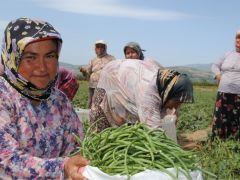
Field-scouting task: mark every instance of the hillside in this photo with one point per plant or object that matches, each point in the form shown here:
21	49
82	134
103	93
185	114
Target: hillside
197	72
74	68
203	67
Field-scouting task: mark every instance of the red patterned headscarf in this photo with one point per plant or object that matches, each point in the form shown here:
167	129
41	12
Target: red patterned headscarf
67	82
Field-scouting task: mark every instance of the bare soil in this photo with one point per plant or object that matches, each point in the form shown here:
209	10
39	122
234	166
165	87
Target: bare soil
190	140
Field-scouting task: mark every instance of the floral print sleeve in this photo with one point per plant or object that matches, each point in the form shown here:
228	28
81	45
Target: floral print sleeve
35	141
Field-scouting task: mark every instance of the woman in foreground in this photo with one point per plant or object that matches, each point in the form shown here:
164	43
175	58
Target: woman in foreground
37	121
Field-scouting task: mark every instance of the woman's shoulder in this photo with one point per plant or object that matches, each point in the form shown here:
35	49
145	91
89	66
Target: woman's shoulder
153	62
59	102
109	56
9	97
2	83
6	89
58	95
229	53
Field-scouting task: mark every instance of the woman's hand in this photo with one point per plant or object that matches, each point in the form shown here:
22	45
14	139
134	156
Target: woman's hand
81	69
84	72
72	165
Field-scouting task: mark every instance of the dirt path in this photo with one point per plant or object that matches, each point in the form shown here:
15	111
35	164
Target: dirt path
189	140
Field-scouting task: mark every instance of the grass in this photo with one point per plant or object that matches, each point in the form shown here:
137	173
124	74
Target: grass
198	115
81	98
221	157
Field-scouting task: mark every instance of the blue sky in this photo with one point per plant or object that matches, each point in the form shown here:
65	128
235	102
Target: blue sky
174	32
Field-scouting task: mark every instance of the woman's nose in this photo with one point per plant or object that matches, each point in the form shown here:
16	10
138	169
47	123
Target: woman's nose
42	64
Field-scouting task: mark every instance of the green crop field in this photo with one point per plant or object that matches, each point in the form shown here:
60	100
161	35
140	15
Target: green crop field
199	114
221	157
81	98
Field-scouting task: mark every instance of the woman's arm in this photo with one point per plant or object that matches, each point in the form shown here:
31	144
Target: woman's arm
18	164
71	125
15	163
216	68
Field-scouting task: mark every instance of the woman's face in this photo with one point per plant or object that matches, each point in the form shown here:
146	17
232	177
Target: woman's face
100	49
131	54
39	63
170	104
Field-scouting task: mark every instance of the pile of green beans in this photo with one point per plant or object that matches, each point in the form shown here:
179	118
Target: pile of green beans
130	149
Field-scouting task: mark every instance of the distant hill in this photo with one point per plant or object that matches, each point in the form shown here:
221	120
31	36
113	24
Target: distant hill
200	73
203	67
74	68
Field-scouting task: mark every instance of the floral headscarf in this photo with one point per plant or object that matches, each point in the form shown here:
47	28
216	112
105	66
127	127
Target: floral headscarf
17	35
136	47
173	85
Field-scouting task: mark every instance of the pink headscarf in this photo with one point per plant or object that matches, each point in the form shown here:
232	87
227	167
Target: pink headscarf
67	82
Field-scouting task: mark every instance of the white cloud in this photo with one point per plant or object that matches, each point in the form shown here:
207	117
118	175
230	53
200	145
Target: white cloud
111	8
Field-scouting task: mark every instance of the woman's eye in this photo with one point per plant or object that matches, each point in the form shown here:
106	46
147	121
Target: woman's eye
29	58
52	56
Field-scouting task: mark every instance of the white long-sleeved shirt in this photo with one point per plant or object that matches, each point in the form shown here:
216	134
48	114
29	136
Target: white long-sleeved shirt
95	66
229	69
131	92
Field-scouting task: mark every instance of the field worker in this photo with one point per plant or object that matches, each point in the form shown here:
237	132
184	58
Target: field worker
67	82
226	121
132	50
132	91
95	66
37	121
